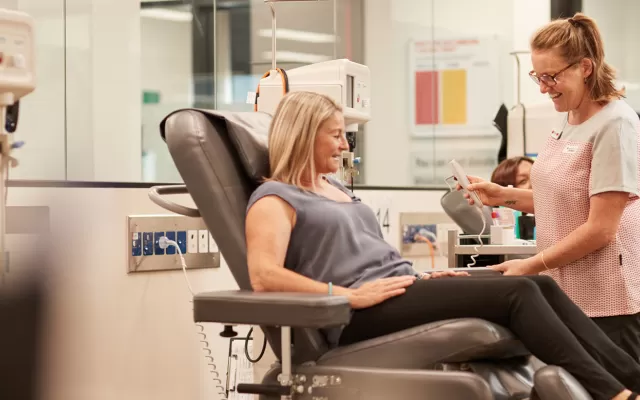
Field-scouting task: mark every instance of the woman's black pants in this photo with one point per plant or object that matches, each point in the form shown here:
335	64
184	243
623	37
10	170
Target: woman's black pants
534	308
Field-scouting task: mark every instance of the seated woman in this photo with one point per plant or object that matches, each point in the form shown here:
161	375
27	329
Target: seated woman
514	171
306	232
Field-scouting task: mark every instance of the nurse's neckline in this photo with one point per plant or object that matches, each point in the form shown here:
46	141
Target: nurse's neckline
567	123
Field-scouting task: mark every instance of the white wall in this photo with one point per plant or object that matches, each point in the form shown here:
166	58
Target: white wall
389	25
131	337
618	24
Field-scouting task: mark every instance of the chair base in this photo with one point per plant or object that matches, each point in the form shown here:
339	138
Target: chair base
356	383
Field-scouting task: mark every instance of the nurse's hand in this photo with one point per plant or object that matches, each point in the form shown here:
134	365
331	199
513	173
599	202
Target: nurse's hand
444	273
516	267
490	193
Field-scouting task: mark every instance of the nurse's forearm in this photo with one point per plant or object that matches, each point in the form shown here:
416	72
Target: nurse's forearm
582	241
518	199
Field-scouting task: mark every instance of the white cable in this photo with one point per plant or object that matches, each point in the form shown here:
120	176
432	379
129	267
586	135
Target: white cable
475	248
484	226
165	242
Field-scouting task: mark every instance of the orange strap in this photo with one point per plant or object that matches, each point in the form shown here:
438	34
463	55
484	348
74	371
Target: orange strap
285	85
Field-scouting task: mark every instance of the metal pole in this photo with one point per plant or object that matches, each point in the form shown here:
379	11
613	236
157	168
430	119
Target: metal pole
335	31
273	37
452	241
286	354
5	151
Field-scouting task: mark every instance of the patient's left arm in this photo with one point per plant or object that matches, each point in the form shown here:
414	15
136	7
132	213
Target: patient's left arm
268	227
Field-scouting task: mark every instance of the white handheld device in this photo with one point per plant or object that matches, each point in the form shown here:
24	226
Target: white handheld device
462	179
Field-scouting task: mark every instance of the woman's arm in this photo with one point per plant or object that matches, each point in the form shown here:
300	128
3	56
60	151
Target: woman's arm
494	195
600	229
268	229
518	199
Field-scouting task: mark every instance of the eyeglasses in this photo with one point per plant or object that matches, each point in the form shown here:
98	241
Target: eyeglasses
548	79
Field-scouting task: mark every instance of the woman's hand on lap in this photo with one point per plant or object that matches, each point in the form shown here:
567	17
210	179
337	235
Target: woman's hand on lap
375	292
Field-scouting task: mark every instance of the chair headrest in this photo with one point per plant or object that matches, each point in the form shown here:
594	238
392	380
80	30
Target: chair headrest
248	131
458	209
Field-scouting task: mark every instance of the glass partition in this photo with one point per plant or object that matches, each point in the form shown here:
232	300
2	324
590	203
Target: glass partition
620	31
108	72
442	71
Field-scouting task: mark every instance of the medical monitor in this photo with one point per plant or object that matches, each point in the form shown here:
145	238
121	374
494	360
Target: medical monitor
347	82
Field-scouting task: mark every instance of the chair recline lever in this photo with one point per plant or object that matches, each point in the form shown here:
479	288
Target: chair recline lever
268	390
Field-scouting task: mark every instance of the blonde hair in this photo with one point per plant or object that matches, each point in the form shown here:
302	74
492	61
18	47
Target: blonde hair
292	135
577	38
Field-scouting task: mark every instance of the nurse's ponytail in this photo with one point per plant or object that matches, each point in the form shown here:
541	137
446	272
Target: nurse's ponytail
577	38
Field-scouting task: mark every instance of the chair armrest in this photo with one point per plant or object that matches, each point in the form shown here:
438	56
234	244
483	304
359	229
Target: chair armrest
297	310
479	271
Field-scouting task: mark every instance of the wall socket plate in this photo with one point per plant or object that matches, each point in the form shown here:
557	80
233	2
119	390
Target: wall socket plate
144	254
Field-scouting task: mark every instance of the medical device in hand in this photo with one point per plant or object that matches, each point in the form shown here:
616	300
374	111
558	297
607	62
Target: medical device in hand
463	180
17	79
346	82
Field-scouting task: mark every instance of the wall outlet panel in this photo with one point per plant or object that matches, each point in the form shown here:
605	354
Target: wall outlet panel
144	253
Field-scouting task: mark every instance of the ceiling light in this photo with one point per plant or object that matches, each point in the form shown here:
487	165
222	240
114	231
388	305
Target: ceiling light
299	36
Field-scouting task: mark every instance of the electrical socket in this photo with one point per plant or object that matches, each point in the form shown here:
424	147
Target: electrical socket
203	241
182	241
192	241
157	250
171	249
136	244
143	243
147	243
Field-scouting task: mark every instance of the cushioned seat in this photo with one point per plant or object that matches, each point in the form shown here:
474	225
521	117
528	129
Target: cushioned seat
449	341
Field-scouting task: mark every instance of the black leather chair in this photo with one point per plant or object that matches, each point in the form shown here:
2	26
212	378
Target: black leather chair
221	156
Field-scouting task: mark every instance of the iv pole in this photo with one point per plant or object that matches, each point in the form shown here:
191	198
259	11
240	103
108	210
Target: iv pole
519	103
6	162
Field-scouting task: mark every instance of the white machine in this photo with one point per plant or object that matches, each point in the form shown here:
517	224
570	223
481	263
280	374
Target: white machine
529	126
347	82
17	79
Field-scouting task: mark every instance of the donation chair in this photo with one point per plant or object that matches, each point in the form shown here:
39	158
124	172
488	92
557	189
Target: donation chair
222	156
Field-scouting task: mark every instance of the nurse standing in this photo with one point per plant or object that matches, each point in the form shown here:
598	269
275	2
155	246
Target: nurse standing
585	183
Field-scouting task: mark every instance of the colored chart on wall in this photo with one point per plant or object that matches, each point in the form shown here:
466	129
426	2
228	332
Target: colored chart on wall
454	85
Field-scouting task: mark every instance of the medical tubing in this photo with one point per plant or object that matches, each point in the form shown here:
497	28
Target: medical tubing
484	226
475	248
163	243
246	348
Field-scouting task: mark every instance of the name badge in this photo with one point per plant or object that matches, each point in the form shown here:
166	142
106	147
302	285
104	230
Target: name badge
571	149
556	135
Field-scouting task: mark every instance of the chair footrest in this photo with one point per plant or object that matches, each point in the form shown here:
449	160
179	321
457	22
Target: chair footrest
265	389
